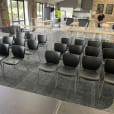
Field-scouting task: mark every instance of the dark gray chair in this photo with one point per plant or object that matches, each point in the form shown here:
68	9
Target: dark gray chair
52	61
18	56
32	47
94	43
66	41
92	51
20	35
80	42
90	69
4	51
7	40
108	74
76	49
42	40
19	41
61	48
30	35
107	45
108	53
70	68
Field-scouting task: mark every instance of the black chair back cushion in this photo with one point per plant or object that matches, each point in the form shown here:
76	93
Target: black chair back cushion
91	63
108	53
107	45
19	41
109	66
42	39
18	51
32	44
60	47
8	40
79	42
20	35
30	36
92	51
94	43
52	57
71	60
66	41
4	49
76	49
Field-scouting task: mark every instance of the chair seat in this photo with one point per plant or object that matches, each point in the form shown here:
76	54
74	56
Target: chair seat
67	71
48	67
89	75
2	57
109	78
11	61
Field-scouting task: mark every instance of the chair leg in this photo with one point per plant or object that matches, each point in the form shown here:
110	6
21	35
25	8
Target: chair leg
75	80
100	90
3	72
39	56
38	77
56	81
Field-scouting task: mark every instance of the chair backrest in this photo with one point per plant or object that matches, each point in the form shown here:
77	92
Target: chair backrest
52	57
79	42
20	35
30	36
42	39
8	40
71	60
19	41
60	47
66	41
92	51
107	45
108	53
18	51
94	43
91	63
4	49
76	49
32	44
109	66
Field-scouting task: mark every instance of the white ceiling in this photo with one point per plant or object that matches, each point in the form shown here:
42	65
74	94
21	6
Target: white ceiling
49	1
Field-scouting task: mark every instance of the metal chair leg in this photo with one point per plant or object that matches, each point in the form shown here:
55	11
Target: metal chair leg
100	90
56	81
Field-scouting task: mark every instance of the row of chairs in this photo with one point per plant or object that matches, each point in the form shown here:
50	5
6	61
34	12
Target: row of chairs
90	69
20	39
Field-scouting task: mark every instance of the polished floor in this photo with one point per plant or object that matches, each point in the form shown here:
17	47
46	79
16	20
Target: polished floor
25	77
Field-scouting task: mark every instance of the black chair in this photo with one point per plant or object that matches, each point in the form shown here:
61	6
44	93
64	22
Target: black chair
108	53
32	47
79	42
8	40
19	41
70	68
90	69
61	48
18	56
107	45
92	51
94	43
4	51
66	41
30	36
20	35
52	61
108	74
76	49
42	40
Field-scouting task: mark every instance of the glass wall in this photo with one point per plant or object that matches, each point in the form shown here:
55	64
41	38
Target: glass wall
18	10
